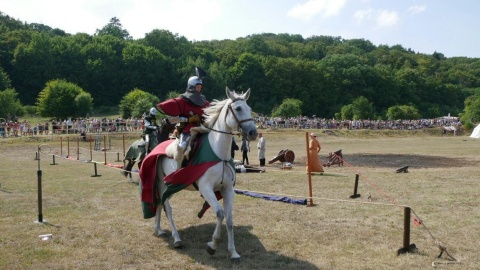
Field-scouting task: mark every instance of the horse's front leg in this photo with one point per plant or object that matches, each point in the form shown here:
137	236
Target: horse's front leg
209	196
228	196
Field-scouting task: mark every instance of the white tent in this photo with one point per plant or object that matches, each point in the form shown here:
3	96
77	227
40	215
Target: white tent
476	132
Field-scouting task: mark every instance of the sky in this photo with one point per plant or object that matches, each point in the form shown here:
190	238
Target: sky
450	27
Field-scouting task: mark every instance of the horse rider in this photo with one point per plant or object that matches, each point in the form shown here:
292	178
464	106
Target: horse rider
188	107
150	125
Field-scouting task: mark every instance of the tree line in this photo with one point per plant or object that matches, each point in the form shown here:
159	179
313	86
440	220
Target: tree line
324	76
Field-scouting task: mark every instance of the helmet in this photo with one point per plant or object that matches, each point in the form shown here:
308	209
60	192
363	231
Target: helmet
153	111
192	82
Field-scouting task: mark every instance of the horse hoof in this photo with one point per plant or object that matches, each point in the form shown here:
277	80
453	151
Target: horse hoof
235	260
178	244
210	250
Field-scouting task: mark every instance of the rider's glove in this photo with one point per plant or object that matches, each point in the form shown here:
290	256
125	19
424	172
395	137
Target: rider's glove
195	119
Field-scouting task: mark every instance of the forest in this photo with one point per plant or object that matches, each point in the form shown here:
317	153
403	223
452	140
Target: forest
325	73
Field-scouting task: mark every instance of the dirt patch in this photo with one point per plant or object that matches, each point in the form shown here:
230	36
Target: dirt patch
397	161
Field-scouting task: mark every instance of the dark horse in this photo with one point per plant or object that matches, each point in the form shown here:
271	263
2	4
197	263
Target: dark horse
136	152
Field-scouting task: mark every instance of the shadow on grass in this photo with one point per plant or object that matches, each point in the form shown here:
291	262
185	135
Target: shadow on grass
253	253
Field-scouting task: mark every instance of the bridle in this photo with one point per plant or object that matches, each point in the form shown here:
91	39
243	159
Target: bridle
239	122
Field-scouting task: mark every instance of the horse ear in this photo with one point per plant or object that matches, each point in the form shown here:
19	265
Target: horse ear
229	93
247	94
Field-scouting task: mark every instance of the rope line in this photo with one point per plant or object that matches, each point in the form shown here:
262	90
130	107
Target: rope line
417	220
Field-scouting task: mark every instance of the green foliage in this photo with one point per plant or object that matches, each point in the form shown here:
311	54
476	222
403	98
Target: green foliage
172	94
324	72
347	112
402	112
114	28
360	108
84	103
136	102
5	81
30	110
63	99
10	104
290	107
471	115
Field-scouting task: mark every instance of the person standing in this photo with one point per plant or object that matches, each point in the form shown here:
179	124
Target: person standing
234	147
261	146
313	151
245	149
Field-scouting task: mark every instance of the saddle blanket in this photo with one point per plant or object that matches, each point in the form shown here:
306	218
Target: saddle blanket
202	159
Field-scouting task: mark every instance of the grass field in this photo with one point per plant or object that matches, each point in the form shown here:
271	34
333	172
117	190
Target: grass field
97	223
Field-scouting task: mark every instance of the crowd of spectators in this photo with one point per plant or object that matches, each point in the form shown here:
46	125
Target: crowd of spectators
323	123
17	128
69	126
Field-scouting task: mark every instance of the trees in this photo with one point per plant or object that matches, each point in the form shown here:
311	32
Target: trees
114	28
325	73
471	115
360	108
290	107
136	102
10	104
402	112
63	99
5	81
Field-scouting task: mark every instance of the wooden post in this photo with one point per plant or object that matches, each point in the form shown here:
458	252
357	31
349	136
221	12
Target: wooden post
95	170
123	135
91	155
355	195
105	147
407	247
68	146
308	172
61	146
78	148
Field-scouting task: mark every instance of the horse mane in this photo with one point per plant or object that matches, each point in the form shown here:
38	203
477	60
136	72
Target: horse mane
212	112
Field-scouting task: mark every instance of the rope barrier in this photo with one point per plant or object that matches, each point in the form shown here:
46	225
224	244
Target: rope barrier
417	219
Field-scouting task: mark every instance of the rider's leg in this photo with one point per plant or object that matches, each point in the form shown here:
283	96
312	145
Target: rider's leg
184	139
147	142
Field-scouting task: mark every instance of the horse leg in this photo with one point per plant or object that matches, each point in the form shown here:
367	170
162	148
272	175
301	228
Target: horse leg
209	196
157	227
228	195
177	242
127	170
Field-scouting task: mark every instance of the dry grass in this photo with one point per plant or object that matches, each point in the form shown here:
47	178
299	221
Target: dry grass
97	222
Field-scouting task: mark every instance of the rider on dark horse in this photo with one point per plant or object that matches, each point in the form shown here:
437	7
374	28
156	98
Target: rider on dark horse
188	107
150	127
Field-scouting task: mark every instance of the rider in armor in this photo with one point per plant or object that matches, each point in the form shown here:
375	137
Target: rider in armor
188	107
150	125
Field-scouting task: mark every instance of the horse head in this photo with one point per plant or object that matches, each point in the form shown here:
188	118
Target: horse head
241	119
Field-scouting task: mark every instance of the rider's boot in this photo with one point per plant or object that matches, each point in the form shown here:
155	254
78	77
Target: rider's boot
147	142
184	139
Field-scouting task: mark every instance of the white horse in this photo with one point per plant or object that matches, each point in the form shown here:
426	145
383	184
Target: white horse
222	120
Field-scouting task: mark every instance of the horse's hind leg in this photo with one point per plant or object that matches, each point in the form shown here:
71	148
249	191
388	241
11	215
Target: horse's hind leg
157	227
177	242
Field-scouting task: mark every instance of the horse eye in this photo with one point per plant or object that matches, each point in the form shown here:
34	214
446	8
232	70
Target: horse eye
238	109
